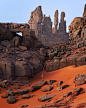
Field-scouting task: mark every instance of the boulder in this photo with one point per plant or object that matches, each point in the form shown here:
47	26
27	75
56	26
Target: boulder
77	91
60	83
59	88
31	41
35	88
41	83
47	89
43	52
16	41
50	82
16	87
3	83
23	91
46	97
63	87
11	99
67	94
23	106
25	96
10	93
23	48
63	48
80	79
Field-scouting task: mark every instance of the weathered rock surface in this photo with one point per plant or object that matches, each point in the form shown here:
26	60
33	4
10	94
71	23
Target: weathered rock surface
62	87
41	83
67	94
80	79
77	30
23	91
60	83
41	24
52	65
10	93
47	89
46	97
77	91
11	99
23	106
35	88
57	100
50	82
25	96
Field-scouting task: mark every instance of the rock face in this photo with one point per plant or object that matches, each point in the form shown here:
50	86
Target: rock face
77	30
19	54
41	24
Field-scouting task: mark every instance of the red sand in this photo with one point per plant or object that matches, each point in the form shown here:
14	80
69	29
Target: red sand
66	74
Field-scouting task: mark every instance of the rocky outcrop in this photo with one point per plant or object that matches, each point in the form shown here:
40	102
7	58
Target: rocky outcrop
52	65
77	30
41	24
19	55
81	60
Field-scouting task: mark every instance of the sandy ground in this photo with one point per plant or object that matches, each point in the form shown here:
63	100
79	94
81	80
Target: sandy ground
66	74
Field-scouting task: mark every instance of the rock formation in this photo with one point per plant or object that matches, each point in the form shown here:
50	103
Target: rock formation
56	19
84	14
24	56
77	30
19	54
42	26
73	52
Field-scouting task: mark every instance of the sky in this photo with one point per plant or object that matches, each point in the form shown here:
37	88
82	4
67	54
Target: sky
19	11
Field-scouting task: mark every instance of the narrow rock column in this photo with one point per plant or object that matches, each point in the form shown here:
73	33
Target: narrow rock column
56	19
84	14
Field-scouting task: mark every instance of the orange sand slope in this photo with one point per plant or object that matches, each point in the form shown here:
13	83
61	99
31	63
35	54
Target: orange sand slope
67	75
